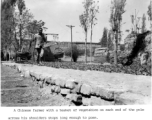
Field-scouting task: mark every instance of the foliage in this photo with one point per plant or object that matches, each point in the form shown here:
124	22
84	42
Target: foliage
17	23
143	28
26	19
12	22
34	26
85	21
122	47
104	39
21	6
149	12
135	68
140	45
75	52
117	9
7	23
93	11
82	52
109	41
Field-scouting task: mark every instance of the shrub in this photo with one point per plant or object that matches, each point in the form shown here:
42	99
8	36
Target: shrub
122	47
82	52
75	52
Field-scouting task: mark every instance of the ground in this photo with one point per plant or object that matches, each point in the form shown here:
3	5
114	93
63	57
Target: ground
19	91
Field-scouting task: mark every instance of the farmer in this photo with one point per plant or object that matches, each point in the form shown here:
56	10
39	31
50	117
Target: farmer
39	39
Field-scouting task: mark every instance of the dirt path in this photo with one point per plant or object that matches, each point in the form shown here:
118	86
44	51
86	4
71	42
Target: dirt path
20	91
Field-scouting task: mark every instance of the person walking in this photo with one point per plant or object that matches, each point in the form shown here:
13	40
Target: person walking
40	39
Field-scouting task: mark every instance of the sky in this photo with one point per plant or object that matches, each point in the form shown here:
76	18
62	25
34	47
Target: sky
58	13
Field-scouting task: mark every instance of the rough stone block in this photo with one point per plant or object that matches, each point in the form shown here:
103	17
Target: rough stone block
46	90
53	88
98	101
77	88
65	91
103	93
86	101
86	89
53	81
42	77
48	80
76	98
69	96
40	84
60	82
57	89
37	76
19	68
94	91
27	73
71	84
32	73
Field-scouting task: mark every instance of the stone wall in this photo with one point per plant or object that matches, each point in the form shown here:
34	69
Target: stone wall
77	92
86	92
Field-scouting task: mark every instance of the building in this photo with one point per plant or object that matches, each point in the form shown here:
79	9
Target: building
80	45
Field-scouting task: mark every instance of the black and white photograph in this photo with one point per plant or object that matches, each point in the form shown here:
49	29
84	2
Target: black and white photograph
76	53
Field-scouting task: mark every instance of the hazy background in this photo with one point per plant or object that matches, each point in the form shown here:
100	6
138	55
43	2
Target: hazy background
59	13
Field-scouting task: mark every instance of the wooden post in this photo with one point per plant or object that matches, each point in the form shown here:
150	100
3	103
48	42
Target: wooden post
71	40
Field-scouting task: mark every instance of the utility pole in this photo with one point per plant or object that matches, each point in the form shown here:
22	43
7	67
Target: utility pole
70	26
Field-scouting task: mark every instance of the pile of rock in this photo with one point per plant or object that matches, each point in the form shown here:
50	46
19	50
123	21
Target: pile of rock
139	46
77	92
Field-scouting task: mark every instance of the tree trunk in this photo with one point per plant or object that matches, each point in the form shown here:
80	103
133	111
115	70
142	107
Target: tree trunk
119	34
17	45
151	28
91	45
20	39
86	47
20	30
115	47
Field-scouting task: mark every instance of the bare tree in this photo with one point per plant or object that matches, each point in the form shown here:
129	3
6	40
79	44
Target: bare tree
117	9
20	26
149	12
7	10
85	22
21	7
93	11
143	27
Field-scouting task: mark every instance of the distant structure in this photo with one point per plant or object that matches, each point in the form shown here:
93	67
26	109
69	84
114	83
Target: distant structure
81	45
